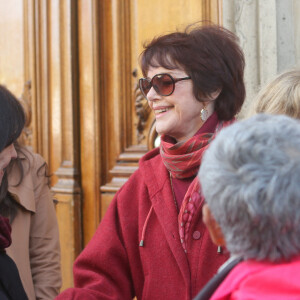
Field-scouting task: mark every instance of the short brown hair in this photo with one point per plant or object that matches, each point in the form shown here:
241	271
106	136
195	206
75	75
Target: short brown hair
212	57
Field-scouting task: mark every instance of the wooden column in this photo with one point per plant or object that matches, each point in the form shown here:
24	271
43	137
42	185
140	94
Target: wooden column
90	118
213	11
65	149
53	87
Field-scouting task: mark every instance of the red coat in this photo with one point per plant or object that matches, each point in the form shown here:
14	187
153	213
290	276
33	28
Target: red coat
114	266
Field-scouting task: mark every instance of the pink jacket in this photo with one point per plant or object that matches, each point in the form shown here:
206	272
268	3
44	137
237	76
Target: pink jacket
114	266
252	280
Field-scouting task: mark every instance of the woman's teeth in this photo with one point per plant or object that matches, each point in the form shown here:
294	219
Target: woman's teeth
159	111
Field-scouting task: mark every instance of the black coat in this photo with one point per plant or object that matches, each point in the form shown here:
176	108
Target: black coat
11	287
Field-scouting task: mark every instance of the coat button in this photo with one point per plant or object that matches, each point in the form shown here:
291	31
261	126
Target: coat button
196	235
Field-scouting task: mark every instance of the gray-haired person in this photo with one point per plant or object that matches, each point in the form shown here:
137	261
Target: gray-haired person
250	178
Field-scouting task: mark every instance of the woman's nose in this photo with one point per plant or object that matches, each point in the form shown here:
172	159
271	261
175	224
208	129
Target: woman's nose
152	95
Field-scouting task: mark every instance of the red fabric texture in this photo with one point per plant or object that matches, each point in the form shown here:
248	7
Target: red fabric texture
183	161
5	231
113	266
261	281
181	185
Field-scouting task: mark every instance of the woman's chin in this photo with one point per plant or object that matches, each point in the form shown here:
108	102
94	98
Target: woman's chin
162	131
163	128
159	129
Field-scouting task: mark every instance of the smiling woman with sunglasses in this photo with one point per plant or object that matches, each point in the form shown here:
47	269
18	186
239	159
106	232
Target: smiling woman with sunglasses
152	242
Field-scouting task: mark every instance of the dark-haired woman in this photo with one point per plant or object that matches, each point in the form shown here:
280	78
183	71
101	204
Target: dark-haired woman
12	120
25	199
152	242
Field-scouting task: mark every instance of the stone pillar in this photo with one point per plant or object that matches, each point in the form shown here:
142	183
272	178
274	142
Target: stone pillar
254	22
296	10
267	30
285	30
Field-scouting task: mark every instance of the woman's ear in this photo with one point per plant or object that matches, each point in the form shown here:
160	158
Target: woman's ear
213	227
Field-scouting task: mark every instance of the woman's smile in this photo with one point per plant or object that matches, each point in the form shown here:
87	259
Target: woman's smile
161	110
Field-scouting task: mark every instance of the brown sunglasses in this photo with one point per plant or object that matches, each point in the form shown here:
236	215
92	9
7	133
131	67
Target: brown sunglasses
163	84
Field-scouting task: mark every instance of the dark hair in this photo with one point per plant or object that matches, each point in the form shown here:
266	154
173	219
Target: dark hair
12	118
12	121
210	54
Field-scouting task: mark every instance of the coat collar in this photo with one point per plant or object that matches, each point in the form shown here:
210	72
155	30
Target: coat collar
23	193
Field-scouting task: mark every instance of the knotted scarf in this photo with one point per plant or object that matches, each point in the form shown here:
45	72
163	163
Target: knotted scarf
5	231
183	160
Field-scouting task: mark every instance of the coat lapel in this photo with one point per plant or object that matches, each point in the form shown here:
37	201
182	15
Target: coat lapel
165	209
23	193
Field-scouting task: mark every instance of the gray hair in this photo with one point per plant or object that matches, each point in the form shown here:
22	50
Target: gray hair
250	178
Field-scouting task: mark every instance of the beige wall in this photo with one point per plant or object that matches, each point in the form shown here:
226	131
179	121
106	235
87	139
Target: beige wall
269	32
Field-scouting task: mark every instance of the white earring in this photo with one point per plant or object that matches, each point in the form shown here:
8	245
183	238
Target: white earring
204	114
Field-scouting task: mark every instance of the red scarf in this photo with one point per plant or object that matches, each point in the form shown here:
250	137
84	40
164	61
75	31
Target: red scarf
183	160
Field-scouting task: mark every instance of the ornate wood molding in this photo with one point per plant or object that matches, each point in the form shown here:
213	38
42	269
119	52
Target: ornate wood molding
126	164
142	111
68	178
212	11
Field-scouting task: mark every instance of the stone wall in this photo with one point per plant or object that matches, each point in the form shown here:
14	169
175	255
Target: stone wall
269	33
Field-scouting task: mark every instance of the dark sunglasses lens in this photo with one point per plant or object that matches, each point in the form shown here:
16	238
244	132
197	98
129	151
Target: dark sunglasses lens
145	86
163	84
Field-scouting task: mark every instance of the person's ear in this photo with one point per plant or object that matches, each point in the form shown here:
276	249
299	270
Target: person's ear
213	227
